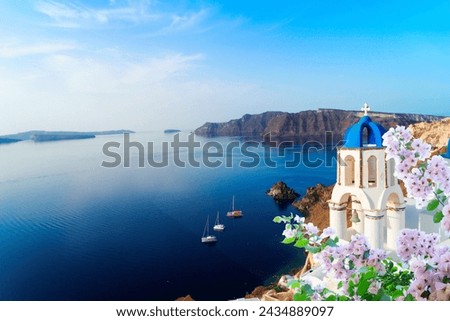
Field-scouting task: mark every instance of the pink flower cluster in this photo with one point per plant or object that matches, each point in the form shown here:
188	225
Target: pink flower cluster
415	243
344	261
429	263
423	176
446	220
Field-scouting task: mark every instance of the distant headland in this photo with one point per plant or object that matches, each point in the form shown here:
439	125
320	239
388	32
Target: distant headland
171	131
46	136
305	125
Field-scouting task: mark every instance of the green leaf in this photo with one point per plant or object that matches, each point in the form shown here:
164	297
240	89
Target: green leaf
432	205
370	274
439	191
288	240
397	293
351	290
293	284
300	297
330	243
301	242
312	249
409	297
385	297
308	289
363	286
277	219
438	216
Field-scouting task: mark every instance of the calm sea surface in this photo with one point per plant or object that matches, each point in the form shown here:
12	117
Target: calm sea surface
73	230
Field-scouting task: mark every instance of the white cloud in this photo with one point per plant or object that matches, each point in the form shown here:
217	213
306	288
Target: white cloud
182	22
66	92
19	50
91	75
75	15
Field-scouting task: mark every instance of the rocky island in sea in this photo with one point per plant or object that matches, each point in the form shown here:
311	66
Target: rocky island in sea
171	131
8	140
282	193
45	136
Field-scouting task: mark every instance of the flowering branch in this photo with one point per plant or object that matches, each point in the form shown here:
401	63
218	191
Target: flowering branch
306	236
427	179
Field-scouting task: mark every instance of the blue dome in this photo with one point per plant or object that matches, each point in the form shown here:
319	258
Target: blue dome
447	155
353	137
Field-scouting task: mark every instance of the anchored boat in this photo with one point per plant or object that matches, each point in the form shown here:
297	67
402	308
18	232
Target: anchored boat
207	238
234	212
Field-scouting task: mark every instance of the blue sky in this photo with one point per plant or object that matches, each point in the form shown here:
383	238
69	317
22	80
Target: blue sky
143	65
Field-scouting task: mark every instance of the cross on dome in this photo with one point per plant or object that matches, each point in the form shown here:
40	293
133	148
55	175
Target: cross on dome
365	109
364	133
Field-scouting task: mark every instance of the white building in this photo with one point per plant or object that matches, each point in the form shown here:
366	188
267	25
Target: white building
366	189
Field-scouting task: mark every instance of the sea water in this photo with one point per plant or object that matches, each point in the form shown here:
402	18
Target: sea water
71	229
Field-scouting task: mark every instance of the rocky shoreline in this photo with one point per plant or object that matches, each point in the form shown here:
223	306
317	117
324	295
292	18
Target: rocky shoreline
314	206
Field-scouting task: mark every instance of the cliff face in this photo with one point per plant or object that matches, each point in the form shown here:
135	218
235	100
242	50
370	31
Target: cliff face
248	125
314	205
304	125
436	133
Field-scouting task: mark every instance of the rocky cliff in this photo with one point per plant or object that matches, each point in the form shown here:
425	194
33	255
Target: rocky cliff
436	133
314	205
304	125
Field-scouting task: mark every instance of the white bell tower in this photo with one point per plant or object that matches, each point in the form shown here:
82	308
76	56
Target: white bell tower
366	193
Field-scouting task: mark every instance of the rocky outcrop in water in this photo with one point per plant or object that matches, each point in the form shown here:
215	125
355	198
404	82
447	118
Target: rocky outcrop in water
185	298
281	193
304	125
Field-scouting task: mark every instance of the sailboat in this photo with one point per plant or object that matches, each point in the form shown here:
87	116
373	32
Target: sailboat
233	212
206	238
217	226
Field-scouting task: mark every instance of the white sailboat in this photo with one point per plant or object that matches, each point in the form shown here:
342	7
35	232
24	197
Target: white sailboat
217	226
207	238
233	212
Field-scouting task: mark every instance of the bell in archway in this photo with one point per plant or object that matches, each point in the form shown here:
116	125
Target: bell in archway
355	218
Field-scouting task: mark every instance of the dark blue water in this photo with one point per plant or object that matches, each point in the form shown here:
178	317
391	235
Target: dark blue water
73	230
